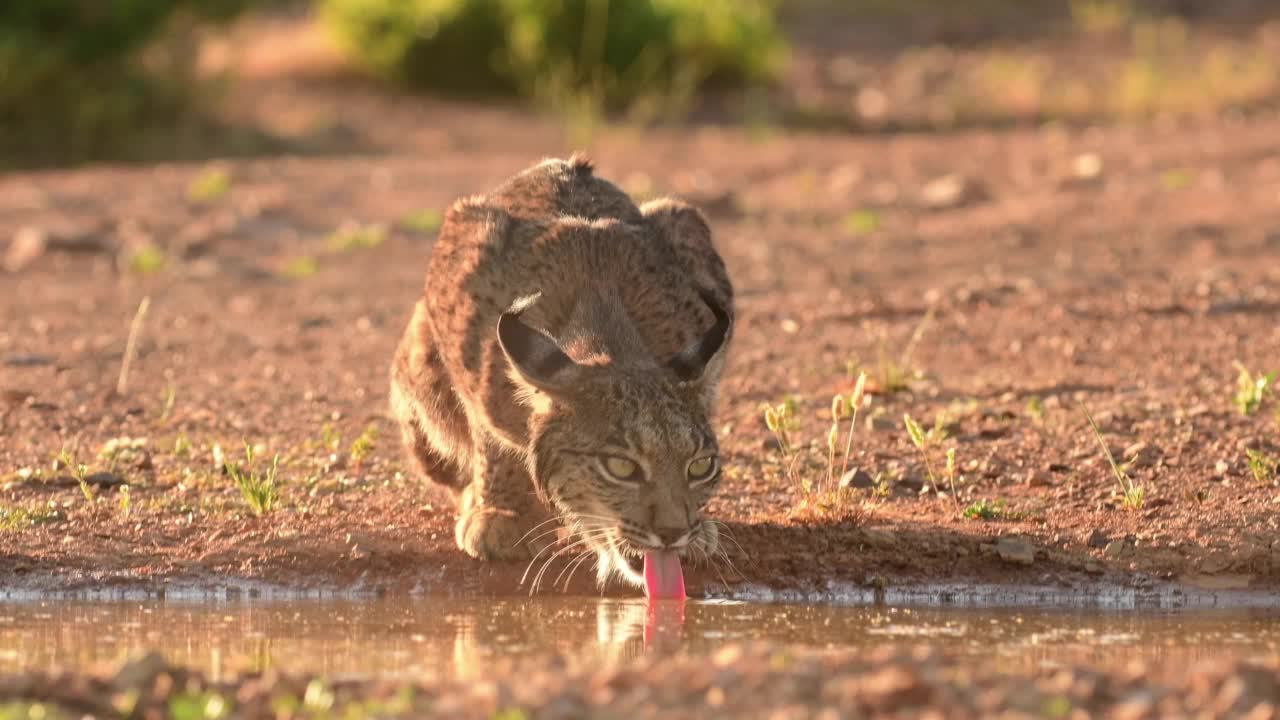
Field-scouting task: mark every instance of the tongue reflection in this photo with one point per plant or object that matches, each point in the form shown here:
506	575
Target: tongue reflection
663	577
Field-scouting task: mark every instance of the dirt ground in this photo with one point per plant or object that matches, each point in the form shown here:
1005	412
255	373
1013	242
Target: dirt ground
1124	269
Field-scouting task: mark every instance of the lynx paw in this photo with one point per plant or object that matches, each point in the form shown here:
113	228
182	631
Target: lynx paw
493	534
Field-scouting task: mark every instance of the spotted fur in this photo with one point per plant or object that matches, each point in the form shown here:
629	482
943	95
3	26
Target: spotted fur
562	325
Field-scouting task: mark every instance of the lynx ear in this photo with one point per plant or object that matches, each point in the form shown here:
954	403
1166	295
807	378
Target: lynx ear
535	357
705	356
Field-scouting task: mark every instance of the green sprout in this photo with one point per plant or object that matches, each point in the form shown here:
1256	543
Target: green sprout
423	221
1263	466
1132	491
16	519
862	221
79	471
303	266
330	436
922	440
985	510
362	446
146	259
211	184
1250	389
356	237
257	488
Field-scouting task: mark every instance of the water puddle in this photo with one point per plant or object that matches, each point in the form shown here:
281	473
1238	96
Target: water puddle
407	638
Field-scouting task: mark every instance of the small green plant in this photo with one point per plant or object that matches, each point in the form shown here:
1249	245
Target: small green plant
1177	179
257	488
1035	409
1263	466
862	221
362	446
356	237
124	499
1132	491
182	446
1251	388
423	221
146	260
300	268
330	437
985	510
79	471
211	184
922	441
17	519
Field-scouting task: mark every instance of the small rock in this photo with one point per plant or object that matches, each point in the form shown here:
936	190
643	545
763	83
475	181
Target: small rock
28	360
1036	478
951	191
1116	549
1222	467
1097	539
1215	564
879	537
1016	550
894	688
104	479
28	244
140	671
1086	166
1141	454
857	478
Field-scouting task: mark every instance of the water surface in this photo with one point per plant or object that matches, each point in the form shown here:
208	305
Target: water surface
405	638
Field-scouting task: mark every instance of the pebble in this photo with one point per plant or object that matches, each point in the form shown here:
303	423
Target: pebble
951	191
1097	539
857	478
1037	478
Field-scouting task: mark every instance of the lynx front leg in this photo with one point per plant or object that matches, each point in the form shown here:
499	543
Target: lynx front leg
498	513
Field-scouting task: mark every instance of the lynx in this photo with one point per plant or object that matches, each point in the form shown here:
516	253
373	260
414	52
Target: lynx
561	369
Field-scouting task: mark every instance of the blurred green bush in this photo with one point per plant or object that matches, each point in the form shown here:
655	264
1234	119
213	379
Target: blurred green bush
73	78
613	51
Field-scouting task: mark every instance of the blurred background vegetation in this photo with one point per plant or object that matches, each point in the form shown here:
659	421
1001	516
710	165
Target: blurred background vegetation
160	79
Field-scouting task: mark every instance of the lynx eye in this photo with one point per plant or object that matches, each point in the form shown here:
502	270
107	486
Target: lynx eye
702	469
621	468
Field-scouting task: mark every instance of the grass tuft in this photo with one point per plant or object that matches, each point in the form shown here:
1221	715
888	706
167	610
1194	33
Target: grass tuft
424	221
356	237
1132	491
257	488
985	510
363	446
1251	388
1264	467
300	268
79	471
211	184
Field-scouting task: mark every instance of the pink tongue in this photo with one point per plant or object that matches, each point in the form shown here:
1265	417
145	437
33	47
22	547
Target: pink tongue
663	578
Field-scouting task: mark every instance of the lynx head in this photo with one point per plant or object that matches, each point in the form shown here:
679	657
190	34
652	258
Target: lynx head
623	449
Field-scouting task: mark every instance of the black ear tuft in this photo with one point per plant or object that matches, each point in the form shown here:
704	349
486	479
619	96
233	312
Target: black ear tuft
691	363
